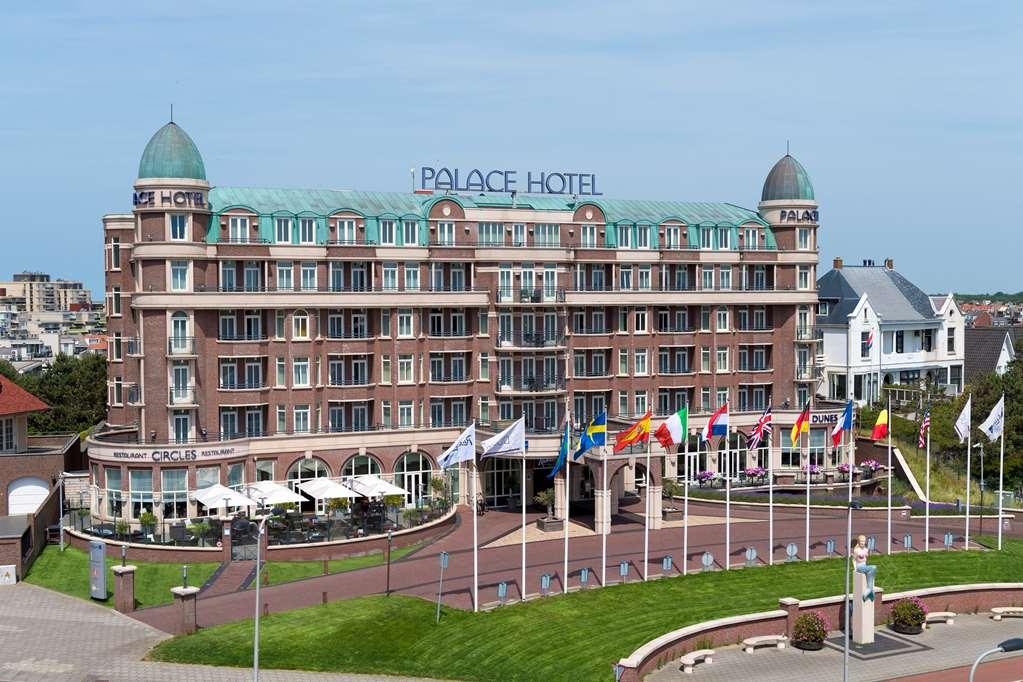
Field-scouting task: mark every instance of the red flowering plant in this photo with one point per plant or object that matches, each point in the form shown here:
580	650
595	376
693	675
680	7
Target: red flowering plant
811	627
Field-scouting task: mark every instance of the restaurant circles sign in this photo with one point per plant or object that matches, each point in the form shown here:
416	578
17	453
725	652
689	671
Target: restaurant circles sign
140	454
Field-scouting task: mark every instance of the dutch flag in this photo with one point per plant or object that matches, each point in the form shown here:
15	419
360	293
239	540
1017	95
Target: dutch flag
718	423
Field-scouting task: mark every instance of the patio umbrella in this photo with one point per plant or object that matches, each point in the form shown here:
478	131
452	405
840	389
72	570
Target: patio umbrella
326	489
217	495
372	486
272	493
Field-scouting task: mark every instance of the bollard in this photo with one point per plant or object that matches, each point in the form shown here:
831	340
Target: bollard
584	578
871	543
751	556
545	584
502	592
708	561
907	541
324	597
829	546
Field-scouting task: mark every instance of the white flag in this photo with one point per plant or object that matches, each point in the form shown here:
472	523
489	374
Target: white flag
462	450
995	421
511	440
963	423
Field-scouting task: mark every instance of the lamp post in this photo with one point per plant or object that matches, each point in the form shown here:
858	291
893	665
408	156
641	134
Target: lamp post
60	510
1014	644
255	633
387	590
855	504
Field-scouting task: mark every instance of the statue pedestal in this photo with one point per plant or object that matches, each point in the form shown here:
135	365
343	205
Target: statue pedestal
862	611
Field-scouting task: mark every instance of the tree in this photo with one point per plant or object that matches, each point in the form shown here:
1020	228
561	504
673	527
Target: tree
75	388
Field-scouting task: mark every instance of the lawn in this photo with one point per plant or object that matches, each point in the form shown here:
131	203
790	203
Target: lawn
573	637
68	572
285	571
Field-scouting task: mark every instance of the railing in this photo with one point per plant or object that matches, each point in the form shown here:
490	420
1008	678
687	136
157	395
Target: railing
181	396
804	372
674	370
582	331
671	288
593	374
134	395
358	241
132	346
349	335
531	294
448	333
262	336
749	328
333	289
242	385
676	329
244	240
453	378
752	367
449	423
804	333
532	383
181	345
348	381
534	340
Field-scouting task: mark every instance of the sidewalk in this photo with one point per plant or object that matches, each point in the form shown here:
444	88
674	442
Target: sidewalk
938	648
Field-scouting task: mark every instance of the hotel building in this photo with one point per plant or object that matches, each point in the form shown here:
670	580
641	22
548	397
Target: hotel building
292	333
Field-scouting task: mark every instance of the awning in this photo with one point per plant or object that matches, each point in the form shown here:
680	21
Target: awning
272	493
326	489
217	496
371	486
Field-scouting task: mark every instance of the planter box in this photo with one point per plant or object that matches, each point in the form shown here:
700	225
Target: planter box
672	514
547	525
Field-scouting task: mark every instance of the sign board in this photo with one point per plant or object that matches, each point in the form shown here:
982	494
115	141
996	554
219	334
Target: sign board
97	569
192	452
823	418
168	198
504	180
8	576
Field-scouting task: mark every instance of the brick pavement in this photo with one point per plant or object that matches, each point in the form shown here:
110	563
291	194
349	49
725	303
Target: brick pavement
46	635
937	648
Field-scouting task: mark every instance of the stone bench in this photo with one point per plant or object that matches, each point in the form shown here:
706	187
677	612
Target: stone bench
751	643
946	617
1000	612
705	656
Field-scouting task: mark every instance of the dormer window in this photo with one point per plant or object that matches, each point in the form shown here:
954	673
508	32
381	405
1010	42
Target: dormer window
822	308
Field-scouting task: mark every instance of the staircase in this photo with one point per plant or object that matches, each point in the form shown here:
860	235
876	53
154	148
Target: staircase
232	577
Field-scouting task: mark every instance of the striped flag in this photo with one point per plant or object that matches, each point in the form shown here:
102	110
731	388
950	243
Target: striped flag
760	429
925	427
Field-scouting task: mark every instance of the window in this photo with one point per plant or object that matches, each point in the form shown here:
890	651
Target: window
672	239
803	281
306	230
589	236
282	231
385	369
625	277
7	443
141	482
388	234
742	318
179	275
346	231
900	341
385	413
115	300
178	227
115	253
285	279
724	238
865	344
484	374
300	325
640	367
623	403
385	323
405	415
624	239
404	323
725	277
722	396
301	416
390	276
300	372
281	373
644	277
803	237
623	361
705	359
446	234
642	236
228	280
410	232
950	347
547	234
706	238
491	234
722	319
751	242
640	403
282	419
722	359
640	321
705	318
759	319
405	371
308	276
411	277
927	340
174	493
822	308
708	278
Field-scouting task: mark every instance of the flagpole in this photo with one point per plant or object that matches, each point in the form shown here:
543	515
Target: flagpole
770	498
685	507
728	500
475	540
891	424
607	526
927	494
646	514
522	490
1001	468
969	451
568	498
809	465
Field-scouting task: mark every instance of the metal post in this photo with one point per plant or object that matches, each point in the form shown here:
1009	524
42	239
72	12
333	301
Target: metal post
60	511
522	500
607	510
259	566
387	590
982	486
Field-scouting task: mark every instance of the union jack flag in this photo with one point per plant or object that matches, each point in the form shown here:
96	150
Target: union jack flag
925	427
760	429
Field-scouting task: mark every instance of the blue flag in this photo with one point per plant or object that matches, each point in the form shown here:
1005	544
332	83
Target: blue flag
594	435
562	454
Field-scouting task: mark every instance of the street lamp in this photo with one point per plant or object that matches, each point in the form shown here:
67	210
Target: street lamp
1014	644
255	634
387	591
855	504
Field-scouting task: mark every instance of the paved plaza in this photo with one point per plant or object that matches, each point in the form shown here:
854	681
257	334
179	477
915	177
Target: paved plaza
46	635
938	648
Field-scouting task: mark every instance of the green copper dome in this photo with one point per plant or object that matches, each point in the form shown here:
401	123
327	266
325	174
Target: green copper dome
171	154
787	181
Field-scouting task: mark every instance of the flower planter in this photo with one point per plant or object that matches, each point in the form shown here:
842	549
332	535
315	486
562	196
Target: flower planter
546	524
907	629
672	514
807	645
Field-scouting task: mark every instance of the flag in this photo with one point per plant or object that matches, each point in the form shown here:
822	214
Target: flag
760	429
594	435
511	440
802	425
925	428
880	426
717	425
995	422
870	340
462	450
844	424
637	433
674	429
962	424
562	452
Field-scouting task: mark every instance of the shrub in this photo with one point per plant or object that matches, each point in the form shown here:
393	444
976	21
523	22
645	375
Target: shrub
147	520
811	627
545	498
338	504
671	488
909	612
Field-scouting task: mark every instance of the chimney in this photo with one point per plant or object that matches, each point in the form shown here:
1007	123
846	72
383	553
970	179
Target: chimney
837	264
889	263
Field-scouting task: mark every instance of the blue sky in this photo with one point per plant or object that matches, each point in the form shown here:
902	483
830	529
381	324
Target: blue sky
906	115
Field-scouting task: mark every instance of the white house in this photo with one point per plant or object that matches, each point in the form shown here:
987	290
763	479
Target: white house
879	328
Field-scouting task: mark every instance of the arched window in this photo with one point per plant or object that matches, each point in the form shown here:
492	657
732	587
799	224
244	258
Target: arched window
412	472
300	325
361	465
307	469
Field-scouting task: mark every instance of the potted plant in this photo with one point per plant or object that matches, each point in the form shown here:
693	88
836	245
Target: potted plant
147	520
200	530
337	505
545	498
810	631
755	474
82	513
670	489
439	488
121	528
869	467
392	502
705	477
409	516
907	616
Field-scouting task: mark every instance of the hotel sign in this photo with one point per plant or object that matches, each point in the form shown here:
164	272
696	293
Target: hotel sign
803	216
824	419
503	180
168	199
164	454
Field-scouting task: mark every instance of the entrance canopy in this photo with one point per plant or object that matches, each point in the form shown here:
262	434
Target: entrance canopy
272	493
371	486
217	495
326	489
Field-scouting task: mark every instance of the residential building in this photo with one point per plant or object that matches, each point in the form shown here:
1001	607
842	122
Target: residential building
990	349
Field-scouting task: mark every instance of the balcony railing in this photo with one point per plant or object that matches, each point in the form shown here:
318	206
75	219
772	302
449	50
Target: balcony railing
348	381
244	240
754	367
262	336
347	335
181	345
593	374
449	333
132	346
674	370
583	331
534	340
242	385
532	383
804	372
181	396
452	378
804	333
358	241
676	329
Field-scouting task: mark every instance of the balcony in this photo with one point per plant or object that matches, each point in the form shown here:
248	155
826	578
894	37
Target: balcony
350	335
342	382
133	347
755	367
531	384
261	336
134	395
675	329
460	333
181	345
591	331
805	333
670	370
804	372
592	374
531	340
241	385
451	378
181	397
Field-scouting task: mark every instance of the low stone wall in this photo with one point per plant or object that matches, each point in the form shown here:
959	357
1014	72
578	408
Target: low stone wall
150	553
727	631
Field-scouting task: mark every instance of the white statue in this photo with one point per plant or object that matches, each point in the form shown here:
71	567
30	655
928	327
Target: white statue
860	556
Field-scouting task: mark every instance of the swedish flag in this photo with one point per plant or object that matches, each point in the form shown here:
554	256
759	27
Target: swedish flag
594	435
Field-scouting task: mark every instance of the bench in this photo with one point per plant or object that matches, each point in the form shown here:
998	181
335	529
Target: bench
751	643
1000	612
705	656
946	617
